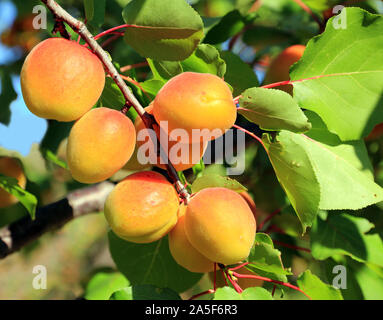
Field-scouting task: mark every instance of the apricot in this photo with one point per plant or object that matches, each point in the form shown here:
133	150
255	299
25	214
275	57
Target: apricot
99	144
220	224
61	80
244	283
142	208
279	69
195	101
182	155
11	167
182	250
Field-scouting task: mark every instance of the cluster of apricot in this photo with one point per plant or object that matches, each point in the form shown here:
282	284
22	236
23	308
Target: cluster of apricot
63	80
217	225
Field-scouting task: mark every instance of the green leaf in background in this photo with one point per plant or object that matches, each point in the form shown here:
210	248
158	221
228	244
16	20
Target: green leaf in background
255	293
238	73
272	109
56	132
327	172
164	70
342	233
347	89
152	86
112	96
145	292
163	30
205	59
316	289
150	263
228	26
103	284
7	95
355	152
52	157
322	5
369	279
28	200
215	180
94	12
296	175
265	260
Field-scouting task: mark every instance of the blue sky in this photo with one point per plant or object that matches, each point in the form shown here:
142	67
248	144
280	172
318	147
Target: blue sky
25	128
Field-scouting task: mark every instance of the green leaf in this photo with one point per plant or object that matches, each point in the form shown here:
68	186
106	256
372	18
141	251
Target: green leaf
150	263
309	170
346	89
28	200
162	30
265	260
152	86
344	234
317	289
255	293
322	5
369	278
355	152
205	59
8	94
145	292
164	70
49	155
95	12
228	26
273	109
215	180
56	132
238	74
102	285
112	96
295	173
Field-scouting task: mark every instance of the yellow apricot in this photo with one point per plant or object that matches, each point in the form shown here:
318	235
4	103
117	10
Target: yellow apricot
11	167
182	250
193	100
182	155
279	69
99	144
61	80
220	224
142	208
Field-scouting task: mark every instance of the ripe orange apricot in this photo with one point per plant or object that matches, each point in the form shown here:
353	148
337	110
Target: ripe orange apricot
220	224
142	208
61	80
99	144
182	155
193	100
182	250
279	69
11	167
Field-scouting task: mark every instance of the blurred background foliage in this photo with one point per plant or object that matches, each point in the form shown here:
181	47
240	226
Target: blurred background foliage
254	32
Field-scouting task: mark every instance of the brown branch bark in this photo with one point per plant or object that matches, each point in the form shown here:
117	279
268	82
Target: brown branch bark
51	217
80	28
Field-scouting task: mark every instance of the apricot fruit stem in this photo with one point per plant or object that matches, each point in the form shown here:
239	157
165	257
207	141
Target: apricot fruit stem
285	284
79	27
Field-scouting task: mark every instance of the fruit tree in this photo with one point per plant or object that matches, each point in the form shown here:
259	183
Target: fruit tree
194	150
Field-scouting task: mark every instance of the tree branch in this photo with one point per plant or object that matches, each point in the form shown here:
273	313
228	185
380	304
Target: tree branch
79	27
53	216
